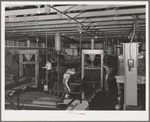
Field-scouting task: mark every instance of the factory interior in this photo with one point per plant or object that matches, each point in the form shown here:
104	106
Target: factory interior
86	39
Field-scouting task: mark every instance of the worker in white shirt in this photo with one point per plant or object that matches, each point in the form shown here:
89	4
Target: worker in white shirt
49	81
66	78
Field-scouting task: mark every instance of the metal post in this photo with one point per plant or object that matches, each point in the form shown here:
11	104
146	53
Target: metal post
46	45
46	84
112	44
20	65
102	56
92	44
10	101
80	56
58	48
58	71
18	99
106	44
80	97
36	68
80	45
82	65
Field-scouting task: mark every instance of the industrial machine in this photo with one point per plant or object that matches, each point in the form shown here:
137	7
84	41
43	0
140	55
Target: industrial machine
28	55
95	69
134	84
130	73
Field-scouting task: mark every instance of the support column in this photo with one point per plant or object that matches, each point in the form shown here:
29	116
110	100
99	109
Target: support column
46	46
106	44
58	48
82	66
20	65
102	57
92	44
58	75
57	41
115	49
36	67
112	44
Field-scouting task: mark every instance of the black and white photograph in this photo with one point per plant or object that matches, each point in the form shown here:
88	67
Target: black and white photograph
74	61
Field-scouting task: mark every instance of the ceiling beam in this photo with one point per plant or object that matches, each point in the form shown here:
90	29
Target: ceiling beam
45	22
74	25
27	12
90	7
61	8
84	15
76	29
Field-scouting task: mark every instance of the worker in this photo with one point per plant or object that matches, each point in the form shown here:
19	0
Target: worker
49	81
110	89
66	78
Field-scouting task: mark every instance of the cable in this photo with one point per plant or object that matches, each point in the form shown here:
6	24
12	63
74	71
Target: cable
80	44
131	41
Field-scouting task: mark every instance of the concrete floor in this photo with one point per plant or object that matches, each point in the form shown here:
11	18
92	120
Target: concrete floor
97	102
94	98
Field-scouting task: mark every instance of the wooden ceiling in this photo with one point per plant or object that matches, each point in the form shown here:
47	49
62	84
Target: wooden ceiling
73	20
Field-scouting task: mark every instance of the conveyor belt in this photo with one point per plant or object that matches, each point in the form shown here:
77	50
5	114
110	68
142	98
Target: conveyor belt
89	92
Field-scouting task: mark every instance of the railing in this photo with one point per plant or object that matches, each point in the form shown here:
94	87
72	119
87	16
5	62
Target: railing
71	102
78	93
11	102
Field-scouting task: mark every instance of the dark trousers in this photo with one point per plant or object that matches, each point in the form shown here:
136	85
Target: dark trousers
49	78
110	100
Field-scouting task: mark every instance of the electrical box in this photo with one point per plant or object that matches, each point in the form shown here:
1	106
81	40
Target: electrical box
130	63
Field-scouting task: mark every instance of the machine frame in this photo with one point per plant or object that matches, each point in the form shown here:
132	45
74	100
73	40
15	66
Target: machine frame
99	52
30	52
